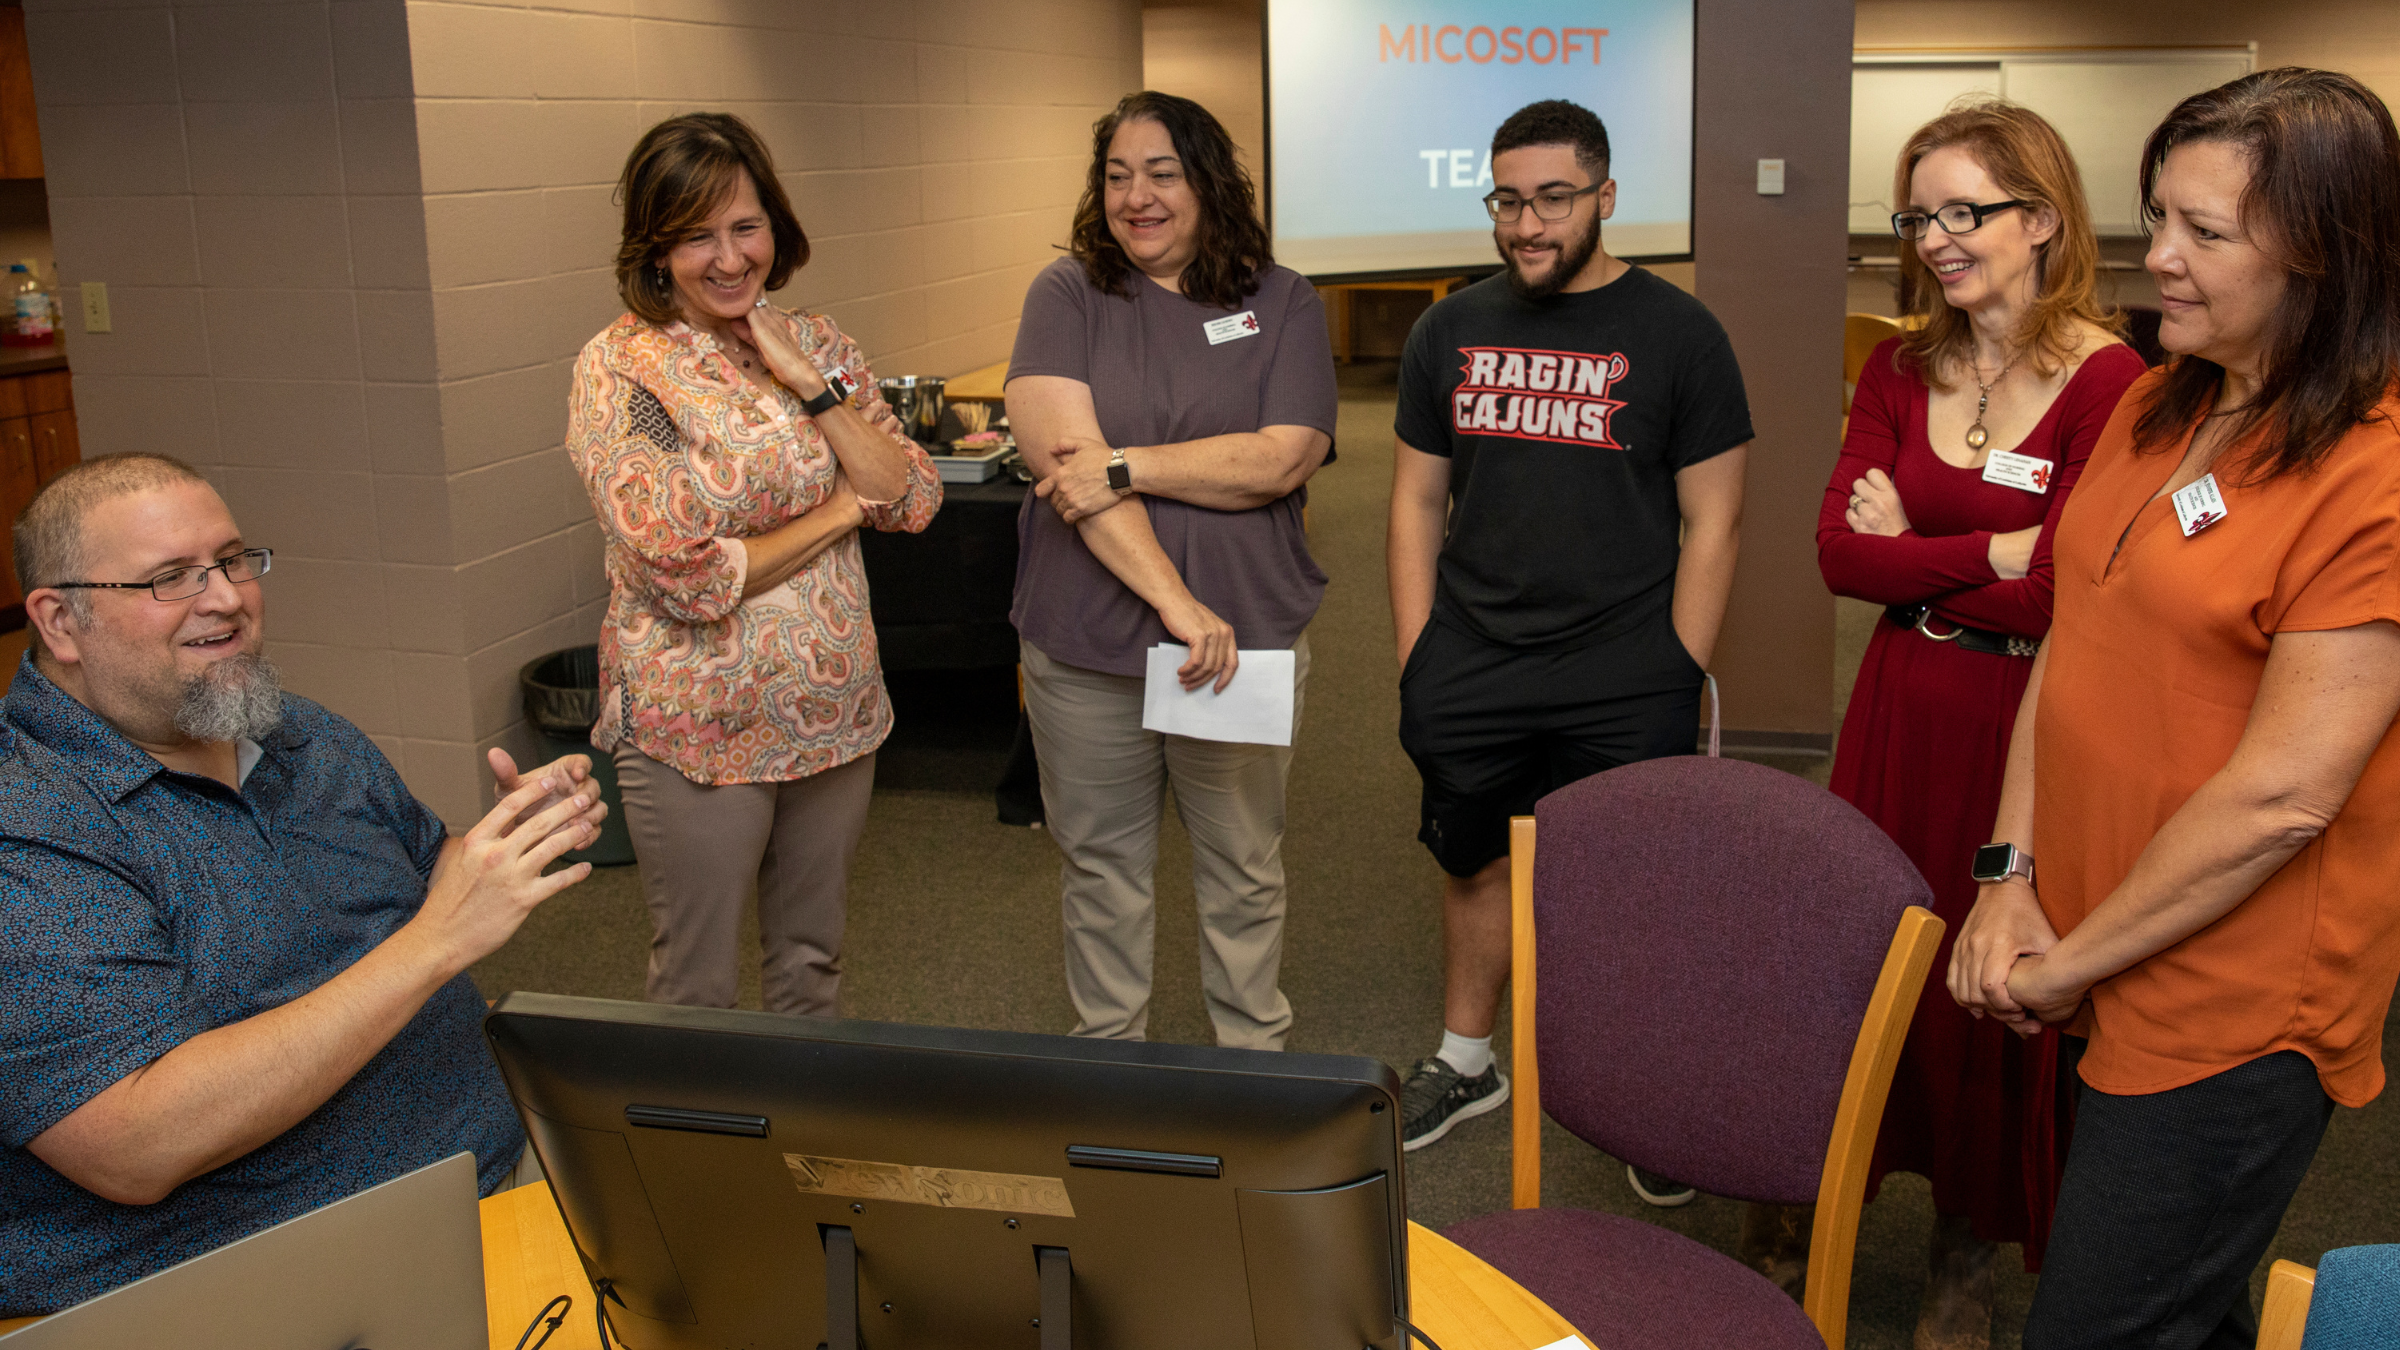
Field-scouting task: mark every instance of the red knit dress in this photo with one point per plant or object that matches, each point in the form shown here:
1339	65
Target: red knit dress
1973	1108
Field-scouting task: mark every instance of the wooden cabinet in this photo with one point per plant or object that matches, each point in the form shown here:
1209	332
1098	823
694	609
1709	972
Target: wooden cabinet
37	443
20	132
50	407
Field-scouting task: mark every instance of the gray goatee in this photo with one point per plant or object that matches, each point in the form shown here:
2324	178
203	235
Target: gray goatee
238	698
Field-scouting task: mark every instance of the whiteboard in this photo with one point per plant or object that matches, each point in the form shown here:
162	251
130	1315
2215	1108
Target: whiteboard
1887	104
2104	105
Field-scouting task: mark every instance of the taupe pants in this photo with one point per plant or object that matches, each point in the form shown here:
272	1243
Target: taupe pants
701	848
1103	783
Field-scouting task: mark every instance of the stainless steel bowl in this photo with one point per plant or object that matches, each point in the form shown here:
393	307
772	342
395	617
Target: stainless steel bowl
917	401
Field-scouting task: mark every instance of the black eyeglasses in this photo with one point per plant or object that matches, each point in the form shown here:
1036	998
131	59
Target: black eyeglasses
1956	218
182	583
1554	205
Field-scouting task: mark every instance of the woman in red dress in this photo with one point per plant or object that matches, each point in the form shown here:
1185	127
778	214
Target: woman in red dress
1965	436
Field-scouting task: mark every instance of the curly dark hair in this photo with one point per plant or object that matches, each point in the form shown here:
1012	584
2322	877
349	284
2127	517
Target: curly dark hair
679	173
1234	251
2323	200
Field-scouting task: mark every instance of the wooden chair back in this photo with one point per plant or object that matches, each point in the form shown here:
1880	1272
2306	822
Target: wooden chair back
1860	334
1841	1190
2290	1287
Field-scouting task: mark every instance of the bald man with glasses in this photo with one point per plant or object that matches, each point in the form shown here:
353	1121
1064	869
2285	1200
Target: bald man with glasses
236	945
1566	507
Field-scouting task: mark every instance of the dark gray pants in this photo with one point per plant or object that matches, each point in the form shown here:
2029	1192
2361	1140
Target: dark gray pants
704	849
2168	1202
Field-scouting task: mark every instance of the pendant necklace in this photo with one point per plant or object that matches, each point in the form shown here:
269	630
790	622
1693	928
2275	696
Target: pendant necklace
1977	437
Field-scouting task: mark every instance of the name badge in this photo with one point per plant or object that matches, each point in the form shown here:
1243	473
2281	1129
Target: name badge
1232	326
2022	472
2199	506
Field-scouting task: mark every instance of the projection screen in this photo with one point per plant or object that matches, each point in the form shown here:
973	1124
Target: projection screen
1380	120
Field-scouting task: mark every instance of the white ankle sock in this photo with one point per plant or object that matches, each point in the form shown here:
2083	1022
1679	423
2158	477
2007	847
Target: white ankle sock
1469	1055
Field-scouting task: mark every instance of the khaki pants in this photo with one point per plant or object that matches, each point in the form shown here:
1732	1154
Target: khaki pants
702	848
1104	781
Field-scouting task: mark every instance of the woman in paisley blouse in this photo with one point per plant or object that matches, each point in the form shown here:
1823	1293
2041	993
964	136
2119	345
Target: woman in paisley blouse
731	468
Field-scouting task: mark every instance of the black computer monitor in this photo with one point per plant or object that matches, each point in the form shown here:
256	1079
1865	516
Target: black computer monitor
745	1179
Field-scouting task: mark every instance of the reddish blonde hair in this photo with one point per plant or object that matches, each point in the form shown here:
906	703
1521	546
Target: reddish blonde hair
2026	158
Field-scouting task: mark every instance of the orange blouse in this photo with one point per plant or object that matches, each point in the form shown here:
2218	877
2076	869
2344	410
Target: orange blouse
683	459
2155	660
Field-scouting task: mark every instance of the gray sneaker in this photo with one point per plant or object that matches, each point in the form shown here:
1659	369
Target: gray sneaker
1435	1097
1657	1190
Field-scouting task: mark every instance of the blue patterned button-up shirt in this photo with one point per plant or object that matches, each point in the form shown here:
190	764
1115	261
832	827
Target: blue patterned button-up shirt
140	907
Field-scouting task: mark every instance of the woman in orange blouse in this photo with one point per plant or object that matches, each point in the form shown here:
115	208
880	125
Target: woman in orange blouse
731	466
2205	765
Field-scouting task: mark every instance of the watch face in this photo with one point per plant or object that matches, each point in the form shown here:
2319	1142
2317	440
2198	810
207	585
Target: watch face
1120	477
1993	862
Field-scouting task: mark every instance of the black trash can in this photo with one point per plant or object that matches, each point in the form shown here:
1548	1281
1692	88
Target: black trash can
562	700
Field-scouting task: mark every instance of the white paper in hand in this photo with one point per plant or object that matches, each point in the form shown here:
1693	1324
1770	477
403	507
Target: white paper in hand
1256	708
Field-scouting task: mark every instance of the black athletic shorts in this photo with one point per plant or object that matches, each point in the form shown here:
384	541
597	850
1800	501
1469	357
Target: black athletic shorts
1495	729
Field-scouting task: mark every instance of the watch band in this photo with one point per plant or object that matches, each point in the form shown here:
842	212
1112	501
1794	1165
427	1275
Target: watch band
838	386
1120	474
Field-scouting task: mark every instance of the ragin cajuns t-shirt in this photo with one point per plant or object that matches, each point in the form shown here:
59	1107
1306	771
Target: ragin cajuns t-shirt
1565	421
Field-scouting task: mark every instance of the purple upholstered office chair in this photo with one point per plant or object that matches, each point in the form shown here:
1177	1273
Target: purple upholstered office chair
1728	957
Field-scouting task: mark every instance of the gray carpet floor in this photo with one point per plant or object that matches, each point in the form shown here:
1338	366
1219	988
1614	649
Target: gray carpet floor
954	921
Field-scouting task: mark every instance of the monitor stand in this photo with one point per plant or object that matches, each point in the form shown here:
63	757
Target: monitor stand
1053	1264
1058	1279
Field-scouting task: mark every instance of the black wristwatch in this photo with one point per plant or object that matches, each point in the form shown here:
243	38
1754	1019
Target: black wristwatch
838	386
1999	862
1120	474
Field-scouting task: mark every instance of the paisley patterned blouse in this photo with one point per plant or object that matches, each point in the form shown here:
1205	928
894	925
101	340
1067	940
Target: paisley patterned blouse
683	459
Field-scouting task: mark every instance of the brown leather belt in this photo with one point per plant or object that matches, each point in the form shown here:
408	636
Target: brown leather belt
1985	640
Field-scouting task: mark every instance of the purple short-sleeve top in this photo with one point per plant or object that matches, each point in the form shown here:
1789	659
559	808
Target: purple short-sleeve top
1160	375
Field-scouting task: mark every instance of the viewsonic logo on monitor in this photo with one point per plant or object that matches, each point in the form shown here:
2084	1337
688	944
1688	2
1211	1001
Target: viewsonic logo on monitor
946	1187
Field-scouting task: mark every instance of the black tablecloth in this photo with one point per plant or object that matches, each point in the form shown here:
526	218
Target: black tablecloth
941	603
941	598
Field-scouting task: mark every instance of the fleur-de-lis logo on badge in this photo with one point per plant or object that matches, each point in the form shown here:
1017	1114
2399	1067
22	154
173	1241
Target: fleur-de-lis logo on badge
2041	478
1250	322
2205	519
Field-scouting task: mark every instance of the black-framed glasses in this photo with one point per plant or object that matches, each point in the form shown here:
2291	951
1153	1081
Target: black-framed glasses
1956	218
182	583
1553	205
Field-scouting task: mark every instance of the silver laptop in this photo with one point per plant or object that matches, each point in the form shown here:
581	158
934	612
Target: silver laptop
395	1267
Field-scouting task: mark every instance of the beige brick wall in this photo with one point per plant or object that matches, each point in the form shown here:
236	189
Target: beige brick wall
244	178
354	246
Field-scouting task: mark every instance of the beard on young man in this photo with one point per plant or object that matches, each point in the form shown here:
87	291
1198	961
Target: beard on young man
1572	255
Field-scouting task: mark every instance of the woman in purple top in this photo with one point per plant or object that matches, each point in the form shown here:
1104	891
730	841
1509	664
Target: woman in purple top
1167	365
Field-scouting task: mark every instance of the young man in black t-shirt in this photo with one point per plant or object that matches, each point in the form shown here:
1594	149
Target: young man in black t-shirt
1566	505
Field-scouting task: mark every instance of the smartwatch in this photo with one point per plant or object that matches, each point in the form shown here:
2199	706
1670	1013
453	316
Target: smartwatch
1999	862
1120	474
838	386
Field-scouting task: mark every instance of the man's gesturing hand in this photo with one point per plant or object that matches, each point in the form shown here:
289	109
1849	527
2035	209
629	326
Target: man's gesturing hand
490	879
562	777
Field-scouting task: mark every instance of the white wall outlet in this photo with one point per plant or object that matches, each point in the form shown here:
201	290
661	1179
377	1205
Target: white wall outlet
1770	178
95	307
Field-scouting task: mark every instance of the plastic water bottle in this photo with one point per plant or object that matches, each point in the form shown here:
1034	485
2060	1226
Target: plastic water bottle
29	325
